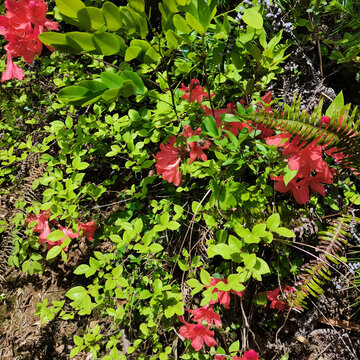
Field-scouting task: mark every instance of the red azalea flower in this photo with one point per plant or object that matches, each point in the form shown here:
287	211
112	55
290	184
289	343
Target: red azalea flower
45	232
198	334
265	131
234	127
41	219
306	161
206	314
68	233
218	357
274	297
168	161
23	22
298	189
12	71
196	93
223	297
88	229
196	150
267	100
250	355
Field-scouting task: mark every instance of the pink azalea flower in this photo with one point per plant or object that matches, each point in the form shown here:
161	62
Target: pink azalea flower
206	314
198	334
196	149
168	161
88	229
192	93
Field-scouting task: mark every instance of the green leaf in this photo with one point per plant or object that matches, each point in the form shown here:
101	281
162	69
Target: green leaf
81	269
112	16
73	93
249	260
137	5
289	175
78	341
208	125
155	248
273	222
78	164
234	347
253	18
69	8
95	86
53	252
171	5
91	18
127	88
80	41
205	277
173	40
111	80
222	249
145	294
194	23
132	52
55	236
259	230
107	44
193	283
151	56
181	24
81	299
336	104
285	232
128	16
136	80
173	225
56	40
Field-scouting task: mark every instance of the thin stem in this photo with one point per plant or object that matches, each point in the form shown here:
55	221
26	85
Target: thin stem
318	46
203	58
173	97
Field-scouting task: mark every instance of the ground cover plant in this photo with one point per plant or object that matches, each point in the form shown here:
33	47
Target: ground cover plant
162	196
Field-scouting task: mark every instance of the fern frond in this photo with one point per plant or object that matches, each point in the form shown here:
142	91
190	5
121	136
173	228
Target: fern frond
332	241
342	133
